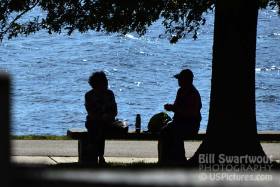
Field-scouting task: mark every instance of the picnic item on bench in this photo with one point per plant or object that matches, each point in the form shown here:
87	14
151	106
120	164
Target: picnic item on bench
119	127
157	121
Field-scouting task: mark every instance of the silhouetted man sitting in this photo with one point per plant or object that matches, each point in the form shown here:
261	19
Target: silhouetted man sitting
186	120
102	110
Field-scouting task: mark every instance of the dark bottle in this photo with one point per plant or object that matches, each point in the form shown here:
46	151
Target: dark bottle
138	123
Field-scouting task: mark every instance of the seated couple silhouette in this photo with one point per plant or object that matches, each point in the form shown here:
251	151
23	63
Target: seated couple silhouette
102	109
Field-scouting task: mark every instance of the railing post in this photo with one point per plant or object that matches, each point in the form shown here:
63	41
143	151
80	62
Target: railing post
5	104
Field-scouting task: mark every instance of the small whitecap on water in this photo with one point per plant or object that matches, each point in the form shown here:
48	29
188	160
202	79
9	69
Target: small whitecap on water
130	36
138	83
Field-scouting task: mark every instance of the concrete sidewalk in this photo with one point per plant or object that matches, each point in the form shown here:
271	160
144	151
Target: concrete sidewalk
49	160
53	152
66	151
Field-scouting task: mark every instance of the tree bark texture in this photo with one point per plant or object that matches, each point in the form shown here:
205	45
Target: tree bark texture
232	128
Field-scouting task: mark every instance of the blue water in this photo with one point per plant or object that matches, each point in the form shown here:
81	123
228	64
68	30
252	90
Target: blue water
50	74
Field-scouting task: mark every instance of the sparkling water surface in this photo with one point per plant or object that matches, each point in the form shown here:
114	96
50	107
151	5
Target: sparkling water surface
50	74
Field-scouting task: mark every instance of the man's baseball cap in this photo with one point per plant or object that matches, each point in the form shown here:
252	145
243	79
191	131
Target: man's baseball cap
185	74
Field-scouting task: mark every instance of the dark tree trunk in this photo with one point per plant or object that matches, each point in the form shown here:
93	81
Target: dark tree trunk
232	116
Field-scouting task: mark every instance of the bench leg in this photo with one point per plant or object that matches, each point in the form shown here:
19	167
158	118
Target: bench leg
80	146
83	150
86	152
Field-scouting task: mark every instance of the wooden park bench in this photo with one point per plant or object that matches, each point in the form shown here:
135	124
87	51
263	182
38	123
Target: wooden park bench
82	136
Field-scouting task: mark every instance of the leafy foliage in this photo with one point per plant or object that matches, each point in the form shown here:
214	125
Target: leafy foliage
180	17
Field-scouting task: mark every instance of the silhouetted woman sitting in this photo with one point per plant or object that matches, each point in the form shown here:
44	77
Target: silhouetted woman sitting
102	109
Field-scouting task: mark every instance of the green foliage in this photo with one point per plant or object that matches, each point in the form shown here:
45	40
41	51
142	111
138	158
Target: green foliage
179	17
270	3
11	12
182	17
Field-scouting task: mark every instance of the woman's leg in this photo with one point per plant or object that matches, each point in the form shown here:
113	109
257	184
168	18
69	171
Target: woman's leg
101	144
92	146
101	149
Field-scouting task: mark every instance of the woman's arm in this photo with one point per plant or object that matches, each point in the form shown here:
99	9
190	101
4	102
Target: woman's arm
111	109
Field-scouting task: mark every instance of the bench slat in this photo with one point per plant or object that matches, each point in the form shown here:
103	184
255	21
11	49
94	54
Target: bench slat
79	133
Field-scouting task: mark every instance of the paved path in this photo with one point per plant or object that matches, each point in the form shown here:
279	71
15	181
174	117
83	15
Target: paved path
139	149
62	151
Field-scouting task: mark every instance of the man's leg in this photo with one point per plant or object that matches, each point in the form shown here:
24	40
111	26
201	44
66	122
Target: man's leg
178	155
165	145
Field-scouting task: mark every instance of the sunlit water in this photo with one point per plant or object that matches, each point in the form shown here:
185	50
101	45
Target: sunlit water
50	74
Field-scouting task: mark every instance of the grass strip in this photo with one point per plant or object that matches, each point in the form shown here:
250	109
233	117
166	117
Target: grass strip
39	137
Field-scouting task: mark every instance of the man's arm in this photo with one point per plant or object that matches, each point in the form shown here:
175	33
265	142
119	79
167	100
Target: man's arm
189	109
